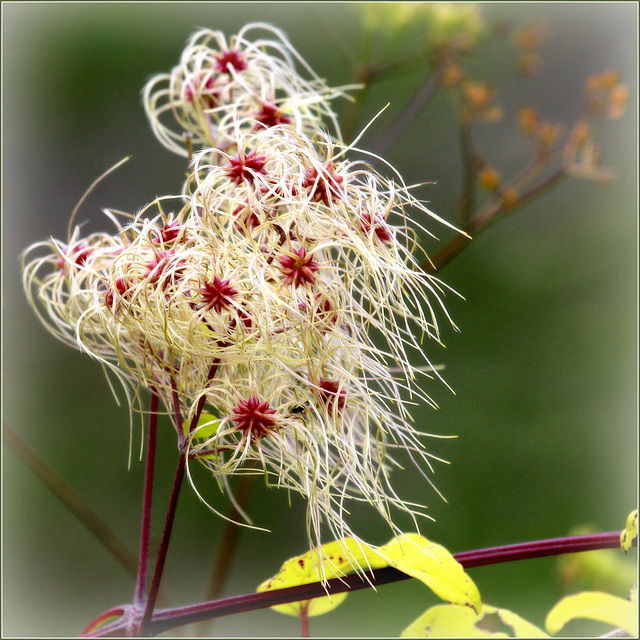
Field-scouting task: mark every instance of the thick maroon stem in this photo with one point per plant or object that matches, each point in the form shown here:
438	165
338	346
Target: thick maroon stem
173	500
170	618
164	545
143	558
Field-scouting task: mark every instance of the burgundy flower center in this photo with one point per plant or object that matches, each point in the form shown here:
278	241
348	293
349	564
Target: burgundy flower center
245	218
169	232
230	58
323	184
246	167
162	266
204	90
122	289
217	294
330	393
377	225
270	116
298	268
254	418
324	308
77	254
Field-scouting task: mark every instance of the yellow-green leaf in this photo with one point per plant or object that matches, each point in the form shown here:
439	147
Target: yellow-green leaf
432	564
452	621
412	554
207	425
448	621
595	606
521	628
630	532
332	560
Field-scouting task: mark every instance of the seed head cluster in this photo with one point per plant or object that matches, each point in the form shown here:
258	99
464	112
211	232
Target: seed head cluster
280	290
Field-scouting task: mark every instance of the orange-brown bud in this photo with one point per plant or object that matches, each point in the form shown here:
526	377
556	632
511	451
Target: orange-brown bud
548	132
477	94
489	178
579	134
609	78
605	80
452	74
528	120
510	197
618	99
529	39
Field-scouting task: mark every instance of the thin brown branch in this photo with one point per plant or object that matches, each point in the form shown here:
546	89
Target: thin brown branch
71	500
409	113
490	213
470	172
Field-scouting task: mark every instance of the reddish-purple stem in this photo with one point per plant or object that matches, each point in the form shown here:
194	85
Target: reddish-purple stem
100	620
203	398
164	545
173	499
177	415
143	559
165	619
304	620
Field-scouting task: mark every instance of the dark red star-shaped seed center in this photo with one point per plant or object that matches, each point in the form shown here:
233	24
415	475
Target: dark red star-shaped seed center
331	394
233	58
255	418
77	254
164	263
323	184
298	268
377	225
270	116
217	294
245	167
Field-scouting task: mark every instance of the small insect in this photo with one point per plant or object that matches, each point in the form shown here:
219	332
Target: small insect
298	409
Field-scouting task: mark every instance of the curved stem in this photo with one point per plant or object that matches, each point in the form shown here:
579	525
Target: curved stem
175	494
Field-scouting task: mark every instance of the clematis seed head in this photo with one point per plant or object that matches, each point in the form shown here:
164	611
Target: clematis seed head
255	418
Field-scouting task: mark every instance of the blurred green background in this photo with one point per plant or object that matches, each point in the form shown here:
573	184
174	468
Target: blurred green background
544	368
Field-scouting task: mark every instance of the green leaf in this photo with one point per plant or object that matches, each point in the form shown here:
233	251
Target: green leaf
630	532
451	621
207	425
337	559
595	606
433	565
